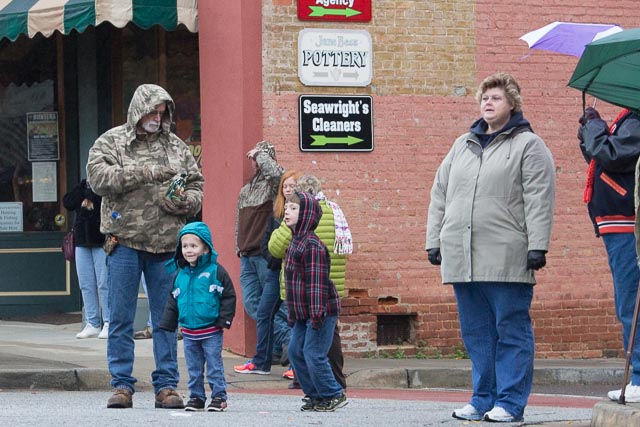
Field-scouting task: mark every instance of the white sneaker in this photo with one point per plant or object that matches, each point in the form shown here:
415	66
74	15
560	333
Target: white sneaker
467	412
104	333
500	415
88	332
631	394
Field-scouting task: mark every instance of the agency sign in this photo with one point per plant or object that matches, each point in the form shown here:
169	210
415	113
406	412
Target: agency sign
334	57
336	123
334	10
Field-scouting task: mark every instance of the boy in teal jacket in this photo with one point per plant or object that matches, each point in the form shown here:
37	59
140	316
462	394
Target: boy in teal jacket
203	301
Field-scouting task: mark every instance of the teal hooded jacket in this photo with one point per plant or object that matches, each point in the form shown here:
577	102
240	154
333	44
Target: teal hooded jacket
203	295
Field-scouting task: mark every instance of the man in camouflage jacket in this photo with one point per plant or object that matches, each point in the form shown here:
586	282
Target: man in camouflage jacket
255	206
131	166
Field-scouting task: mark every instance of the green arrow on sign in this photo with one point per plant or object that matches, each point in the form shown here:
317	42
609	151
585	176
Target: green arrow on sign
322	11
321	140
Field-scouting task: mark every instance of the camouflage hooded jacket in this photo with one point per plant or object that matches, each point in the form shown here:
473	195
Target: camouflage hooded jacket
255	201
130	206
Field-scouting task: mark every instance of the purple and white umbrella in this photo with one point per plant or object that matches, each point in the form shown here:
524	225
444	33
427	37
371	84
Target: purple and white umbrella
568	37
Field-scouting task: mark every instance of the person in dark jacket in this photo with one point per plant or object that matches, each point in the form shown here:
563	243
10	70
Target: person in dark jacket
204	302
612	152
90	259
313	305
272	330
254	209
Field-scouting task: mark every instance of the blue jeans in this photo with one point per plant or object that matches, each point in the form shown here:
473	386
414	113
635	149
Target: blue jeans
92	278
255	276
308	350
623	263
497	332
196	353
125	265
270	311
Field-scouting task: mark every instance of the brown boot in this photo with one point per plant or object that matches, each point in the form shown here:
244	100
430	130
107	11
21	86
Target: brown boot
168	398
121	398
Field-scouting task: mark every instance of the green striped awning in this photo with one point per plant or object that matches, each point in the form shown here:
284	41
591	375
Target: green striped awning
46	16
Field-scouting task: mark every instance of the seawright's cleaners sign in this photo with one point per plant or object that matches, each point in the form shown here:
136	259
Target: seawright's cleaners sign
336	123
334	10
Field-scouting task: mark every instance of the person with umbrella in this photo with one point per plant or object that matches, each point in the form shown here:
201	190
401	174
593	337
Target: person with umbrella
612	152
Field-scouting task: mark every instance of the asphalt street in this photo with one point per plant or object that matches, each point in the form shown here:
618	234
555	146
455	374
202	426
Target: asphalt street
50	378
268	408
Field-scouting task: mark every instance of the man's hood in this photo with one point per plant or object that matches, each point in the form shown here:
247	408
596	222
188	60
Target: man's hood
144	101
309	215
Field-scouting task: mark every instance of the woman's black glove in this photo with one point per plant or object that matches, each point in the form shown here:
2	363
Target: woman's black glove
536	260
434	256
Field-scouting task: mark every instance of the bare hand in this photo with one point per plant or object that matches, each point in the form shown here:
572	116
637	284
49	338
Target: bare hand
252	153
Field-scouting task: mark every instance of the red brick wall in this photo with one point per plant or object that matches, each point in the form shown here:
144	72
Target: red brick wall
429	57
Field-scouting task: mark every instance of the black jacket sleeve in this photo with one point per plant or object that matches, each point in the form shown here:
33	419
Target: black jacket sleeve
618	152
73	199
272	262
227	300
169	320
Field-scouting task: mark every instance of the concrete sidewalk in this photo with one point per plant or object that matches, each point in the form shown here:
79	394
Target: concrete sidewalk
44	356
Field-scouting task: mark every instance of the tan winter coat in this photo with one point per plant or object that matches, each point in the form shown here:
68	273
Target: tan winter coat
490	207
114	170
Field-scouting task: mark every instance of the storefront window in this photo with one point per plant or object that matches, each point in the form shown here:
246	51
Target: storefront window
29	142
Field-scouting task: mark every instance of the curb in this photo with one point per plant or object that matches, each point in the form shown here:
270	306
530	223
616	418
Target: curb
612	414
92	379
461	377
83	379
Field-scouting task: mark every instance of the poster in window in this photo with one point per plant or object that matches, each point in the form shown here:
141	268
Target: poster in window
45	184
42	136
10	217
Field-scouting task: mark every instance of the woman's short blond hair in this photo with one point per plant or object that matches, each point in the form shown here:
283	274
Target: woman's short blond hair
505	82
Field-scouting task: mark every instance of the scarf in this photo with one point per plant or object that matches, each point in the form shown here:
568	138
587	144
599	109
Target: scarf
342	244
591	170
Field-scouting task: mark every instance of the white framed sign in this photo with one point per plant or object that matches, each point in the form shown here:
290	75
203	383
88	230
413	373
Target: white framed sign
335	57
45	182
11	217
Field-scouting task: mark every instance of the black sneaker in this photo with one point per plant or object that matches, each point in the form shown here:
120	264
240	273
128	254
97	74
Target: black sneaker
308	404
194	404
217	405
331	404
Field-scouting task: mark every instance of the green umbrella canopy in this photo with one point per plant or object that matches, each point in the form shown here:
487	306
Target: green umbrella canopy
609	69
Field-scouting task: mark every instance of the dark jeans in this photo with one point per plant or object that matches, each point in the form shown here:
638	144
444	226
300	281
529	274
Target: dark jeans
623	262
268	309
496	330
308	350
336	360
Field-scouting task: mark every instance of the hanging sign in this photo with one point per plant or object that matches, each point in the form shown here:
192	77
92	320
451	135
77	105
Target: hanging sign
43	142
334	10
334	57
336	123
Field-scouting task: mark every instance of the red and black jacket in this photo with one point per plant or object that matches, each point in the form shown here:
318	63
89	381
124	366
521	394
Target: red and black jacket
614	151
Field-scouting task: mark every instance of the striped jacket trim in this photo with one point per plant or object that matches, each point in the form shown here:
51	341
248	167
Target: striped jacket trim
615	224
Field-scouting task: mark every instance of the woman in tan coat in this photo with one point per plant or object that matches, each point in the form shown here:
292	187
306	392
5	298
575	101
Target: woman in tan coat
489	226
